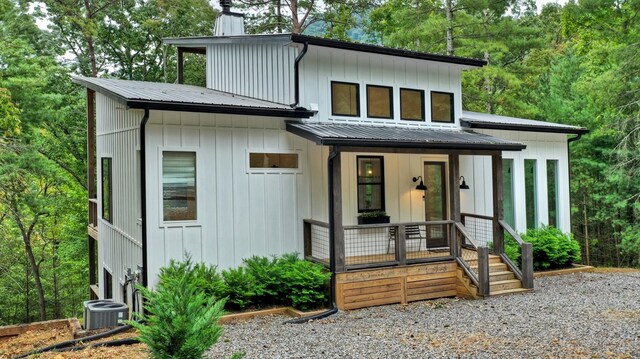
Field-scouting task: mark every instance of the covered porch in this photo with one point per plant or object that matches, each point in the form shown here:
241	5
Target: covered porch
452	253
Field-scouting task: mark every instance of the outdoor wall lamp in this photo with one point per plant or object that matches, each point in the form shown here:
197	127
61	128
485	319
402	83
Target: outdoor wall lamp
421	186
463	185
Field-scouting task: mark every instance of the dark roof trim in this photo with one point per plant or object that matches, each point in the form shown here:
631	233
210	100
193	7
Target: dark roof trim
522	127
354	142
298	112
318	41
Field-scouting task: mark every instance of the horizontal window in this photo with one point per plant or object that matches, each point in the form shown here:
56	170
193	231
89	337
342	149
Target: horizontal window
345	99
179	186
379	101
273	160
412	105
442	107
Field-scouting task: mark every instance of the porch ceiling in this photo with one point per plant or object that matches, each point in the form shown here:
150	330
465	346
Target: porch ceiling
332	134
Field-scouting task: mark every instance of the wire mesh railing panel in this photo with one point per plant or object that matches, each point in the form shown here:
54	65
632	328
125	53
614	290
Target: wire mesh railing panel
368	246
427	241
467	253
480	228
320	243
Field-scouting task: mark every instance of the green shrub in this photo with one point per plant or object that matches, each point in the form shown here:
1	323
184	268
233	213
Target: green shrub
512	249
267	273
306	284
208	279
240	286
552	248
180	320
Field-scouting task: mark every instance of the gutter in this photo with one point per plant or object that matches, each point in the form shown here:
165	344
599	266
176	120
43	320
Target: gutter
143	195
296	74
335	151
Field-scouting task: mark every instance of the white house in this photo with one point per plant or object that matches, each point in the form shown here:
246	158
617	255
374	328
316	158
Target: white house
296	136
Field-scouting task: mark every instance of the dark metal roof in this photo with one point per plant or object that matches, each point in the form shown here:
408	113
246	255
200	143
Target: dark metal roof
339	134
496	122
355	46
319	41
174	97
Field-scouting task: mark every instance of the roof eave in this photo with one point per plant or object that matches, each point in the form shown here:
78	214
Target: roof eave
524	128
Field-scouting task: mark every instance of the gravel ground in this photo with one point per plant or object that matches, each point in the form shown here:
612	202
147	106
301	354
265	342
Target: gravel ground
586	315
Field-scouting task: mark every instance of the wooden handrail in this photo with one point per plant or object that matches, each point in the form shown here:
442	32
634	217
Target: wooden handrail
465	233
383	225
316	222
481	216
93	200
511	231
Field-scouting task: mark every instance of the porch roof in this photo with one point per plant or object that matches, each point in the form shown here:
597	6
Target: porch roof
177	97
339	134
497	122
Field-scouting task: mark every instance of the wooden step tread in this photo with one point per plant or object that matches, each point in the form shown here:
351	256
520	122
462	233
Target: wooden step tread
510	291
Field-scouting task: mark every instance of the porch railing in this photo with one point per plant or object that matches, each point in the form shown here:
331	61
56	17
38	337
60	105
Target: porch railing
380	245
479	227
93	212
473	258
525	271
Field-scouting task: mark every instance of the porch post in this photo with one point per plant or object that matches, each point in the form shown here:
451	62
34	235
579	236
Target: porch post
336	231
180	65
498	214
454	195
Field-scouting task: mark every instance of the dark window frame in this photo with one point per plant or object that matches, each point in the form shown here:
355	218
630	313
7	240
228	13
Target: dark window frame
453	117
381	184
422	109
109	192
108	284
357	85
390	88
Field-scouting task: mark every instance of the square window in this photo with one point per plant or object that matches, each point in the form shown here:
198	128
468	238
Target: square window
379	101
179	186
412	105
345	99
370	184
442	107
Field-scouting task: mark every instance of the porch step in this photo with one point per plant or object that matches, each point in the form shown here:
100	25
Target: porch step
503	285
492	259
493	267
500	276
511	291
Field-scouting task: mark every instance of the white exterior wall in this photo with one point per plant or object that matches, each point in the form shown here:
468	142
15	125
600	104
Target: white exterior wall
322	65
240	214
541	147
119	245
258	70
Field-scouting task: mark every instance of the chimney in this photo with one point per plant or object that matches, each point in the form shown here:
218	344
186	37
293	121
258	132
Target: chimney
228	23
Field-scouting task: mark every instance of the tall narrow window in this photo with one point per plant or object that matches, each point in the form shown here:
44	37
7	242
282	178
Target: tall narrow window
379	101
345	99
179	186
507	192
530	189
107	188
108	284
412	105
370	184
442	107
552	191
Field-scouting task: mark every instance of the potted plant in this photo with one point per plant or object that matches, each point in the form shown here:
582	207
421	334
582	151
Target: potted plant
373	217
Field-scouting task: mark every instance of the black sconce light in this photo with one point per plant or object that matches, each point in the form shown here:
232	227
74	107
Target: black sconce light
463	185
421	186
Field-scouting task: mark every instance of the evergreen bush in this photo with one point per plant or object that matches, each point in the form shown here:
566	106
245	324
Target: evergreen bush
552	248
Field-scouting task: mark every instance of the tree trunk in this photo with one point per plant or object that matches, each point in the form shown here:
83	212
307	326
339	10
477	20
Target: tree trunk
35	267
487	86
449	12
91	51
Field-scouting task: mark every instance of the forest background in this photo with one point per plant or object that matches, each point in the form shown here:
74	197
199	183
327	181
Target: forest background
577	64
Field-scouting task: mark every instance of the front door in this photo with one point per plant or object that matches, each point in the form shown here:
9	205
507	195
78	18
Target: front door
435	201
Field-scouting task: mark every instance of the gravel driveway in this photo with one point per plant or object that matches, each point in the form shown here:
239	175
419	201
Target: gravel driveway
587	315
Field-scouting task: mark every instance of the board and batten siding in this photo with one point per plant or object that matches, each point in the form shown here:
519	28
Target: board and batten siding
322	65
119	245
258	70
540	147
240	213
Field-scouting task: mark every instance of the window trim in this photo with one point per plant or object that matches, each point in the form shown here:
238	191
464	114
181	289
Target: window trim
250	170
423	112
556	185
357	85
110	194
536	186
391	114
191	222
382	184
453	117
107	291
